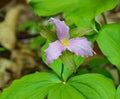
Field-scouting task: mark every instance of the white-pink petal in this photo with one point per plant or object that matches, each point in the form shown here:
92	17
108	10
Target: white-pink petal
61	28
53	51
81	47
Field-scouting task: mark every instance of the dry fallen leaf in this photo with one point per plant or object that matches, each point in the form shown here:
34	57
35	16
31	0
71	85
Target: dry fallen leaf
8	28
5	76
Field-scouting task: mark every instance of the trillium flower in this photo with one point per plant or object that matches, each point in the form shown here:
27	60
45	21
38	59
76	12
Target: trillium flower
80	46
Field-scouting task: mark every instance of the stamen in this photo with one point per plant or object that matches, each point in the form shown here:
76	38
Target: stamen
65	42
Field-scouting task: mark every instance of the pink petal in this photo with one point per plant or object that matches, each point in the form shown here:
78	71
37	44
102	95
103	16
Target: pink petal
61	28
81	47
53	51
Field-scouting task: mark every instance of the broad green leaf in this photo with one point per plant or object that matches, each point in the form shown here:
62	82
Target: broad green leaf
93	86
109	42
34	86
79	11
48	85
65	91
118	93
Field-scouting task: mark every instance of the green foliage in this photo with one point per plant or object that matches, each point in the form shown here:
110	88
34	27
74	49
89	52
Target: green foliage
96	62
46	33
2	49
68	60
32	26
42	52
96	65
102	71
41	85
93	86
118	93
65	62
109	42
61	70
37	42
82	71
62	84
79	31
79	11
34	86
78	60
64	71
97	69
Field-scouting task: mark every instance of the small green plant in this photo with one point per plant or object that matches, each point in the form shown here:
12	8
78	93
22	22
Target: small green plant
66	49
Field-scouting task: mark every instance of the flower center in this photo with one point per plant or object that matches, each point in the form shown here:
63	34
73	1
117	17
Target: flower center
65	42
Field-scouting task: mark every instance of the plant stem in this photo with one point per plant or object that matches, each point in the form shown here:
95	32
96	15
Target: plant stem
104	18
62	69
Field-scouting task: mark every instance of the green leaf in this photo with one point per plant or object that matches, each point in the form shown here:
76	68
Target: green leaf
46	33
96	62
78	60
118	93
79	31
82	71
64	91
79	11
71	61
109	42
68	60
93	86
34	86
102	71
37	42
61	70
2	49
48	85
42	52
33	27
